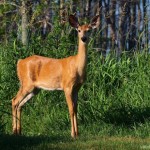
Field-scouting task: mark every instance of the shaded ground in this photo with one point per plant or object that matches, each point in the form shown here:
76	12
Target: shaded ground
8	142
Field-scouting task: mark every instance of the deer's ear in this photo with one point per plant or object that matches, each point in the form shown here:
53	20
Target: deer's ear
73	21
95	22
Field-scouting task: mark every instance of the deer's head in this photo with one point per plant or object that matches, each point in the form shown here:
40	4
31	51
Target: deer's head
83	29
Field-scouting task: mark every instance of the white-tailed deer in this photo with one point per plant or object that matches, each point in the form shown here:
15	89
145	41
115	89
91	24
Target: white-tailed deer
67	74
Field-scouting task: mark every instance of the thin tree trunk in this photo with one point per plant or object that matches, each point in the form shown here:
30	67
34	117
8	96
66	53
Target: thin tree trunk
62	11
113	23
101	22
129	28
62	15
134	26
145	22
98	11
74	6
88	8
139	26
132	37
139	16
105	31
81	6
123	25
24	24
50	14
47	26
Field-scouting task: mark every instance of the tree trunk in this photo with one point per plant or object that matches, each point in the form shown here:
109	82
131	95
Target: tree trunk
88	8
145	22
81	6
105	31
133	27
24	24
113	23
98	40
139	42
74	6
123	25
62	15
46	22
62	9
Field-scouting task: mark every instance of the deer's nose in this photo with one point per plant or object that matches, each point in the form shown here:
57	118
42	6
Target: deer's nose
84	38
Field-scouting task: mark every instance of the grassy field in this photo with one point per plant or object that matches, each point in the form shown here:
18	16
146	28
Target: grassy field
113	106
66	143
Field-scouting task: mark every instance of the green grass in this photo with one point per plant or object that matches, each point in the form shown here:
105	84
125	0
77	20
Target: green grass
66	143
113	105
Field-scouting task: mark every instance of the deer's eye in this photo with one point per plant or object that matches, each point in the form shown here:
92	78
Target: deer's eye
79	30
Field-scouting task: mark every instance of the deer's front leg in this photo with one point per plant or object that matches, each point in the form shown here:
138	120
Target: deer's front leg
75	103
68	94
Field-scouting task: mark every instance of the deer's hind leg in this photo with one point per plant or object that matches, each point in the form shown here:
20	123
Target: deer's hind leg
23	95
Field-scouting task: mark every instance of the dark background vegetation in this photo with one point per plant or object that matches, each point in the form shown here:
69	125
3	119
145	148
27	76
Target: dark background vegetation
115	98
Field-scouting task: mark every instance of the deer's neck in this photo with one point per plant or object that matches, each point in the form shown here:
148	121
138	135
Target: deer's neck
81	57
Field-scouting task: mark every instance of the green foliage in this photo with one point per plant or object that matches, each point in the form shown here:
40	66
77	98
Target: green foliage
115	95
117	91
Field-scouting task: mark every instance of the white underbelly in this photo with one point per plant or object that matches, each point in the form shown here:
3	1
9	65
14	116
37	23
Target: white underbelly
49	88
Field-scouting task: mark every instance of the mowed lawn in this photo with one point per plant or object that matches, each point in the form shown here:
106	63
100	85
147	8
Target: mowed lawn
8	142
